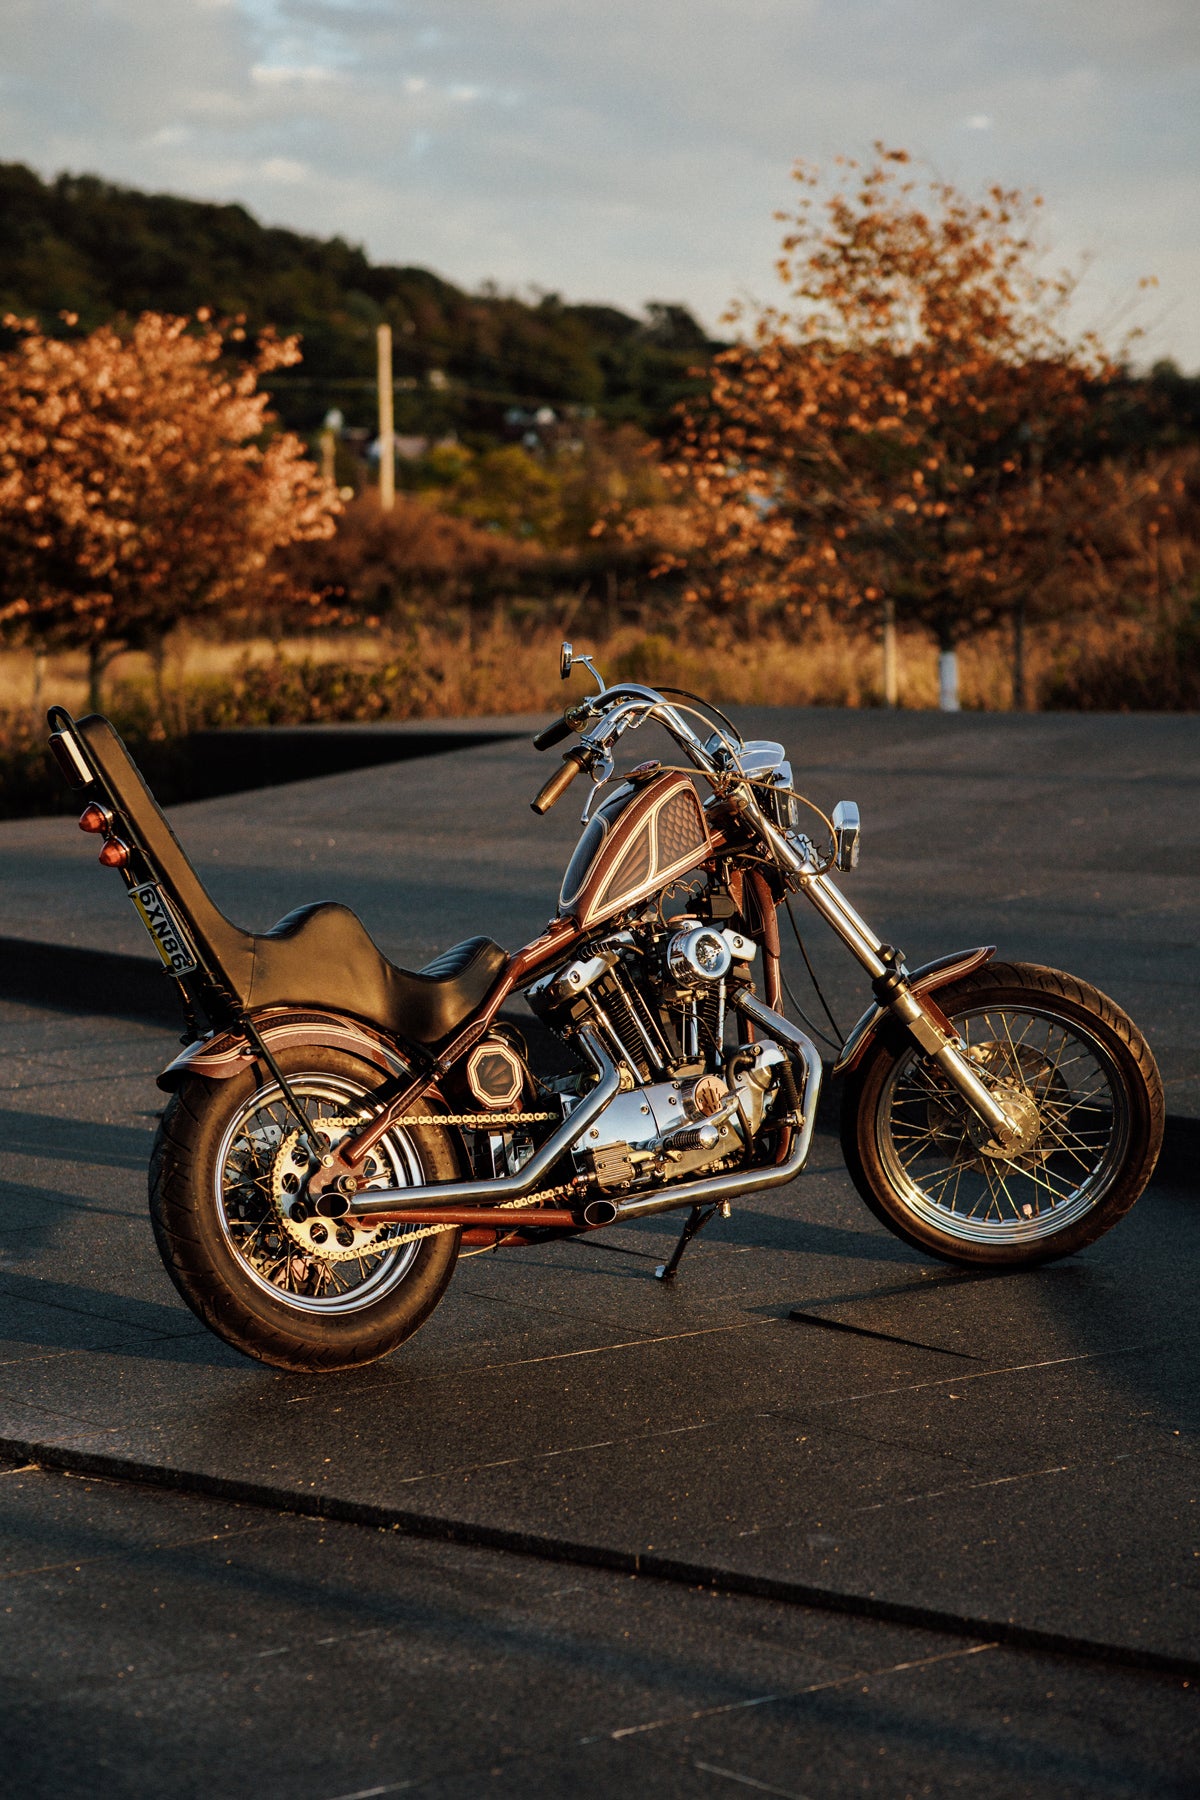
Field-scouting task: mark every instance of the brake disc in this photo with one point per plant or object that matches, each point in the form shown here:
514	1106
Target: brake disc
1031	1093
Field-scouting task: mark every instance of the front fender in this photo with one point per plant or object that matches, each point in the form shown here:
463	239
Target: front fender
223	1054
925	980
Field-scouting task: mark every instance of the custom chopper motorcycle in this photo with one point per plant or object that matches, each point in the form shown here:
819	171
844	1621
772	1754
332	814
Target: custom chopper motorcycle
340	1130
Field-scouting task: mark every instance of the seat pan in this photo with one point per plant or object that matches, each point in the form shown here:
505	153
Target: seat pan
320	956
323	956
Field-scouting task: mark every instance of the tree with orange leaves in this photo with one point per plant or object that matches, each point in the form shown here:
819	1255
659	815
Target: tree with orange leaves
140	484
909	429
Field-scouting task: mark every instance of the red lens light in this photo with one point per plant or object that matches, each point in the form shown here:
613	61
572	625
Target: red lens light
113	853
95	818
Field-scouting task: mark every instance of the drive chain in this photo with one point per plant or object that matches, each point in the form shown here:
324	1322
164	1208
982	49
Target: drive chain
326	1239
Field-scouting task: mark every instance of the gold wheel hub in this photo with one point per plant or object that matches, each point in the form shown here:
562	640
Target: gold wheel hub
329	1240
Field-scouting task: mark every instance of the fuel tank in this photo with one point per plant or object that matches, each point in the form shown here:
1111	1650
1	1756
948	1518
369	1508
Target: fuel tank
643	836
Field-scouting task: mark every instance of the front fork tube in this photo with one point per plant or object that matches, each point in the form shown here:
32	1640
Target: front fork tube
893	992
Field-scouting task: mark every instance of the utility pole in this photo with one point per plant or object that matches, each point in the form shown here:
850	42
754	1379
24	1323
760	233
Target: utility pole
387	428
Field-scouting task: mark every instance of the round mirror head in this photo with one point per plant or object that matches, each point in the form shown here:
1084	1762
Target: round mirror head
565	659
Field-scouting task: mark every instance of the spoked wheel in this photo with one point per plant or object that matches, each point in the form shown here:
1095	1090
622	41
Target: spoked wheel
1072	1070
252	1258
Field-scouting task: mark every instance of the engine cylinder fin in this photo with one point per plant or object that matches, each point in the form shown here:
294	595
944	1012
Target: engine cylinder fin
641	1055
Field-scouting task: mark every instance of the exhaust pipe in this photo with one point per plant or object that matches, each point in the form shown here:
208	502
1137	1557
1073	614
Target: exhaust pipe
483	1195
476	1194
742	1181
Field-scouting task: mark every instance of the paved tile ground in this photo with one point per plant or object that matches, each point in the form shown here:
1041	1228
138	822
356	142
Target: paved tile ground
161	1643
1027	1454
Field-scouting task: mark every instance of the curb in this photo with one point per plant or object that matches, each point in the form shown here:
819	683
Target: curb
647	1564
76	978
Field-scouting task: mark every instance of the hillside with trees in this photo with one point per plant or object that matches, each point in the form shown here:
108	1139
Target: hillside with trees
463	361
914	454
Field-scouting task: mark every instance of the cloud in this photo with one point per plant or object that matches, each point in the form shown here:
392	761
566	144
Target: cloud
279	74
623	151
283	168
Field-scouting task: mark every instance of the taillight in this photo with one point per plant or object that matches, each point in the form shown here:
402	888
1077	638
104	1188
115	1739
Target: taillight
95	818
113	853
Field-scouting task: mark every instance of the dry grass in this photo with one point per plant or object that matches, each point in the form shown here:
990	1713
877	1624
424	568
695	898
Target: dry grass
496	666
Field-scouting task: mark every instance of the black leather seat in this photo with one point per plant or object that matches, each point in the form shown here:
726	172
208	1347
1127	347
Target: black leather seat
320	955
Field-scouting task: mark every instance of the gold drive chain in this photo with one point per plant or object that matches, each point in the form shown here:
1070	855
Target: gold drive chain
481	1121
363	1241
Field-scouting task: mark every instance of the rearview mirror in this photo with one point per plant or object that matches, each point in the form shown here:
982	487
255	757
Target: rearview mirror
566	657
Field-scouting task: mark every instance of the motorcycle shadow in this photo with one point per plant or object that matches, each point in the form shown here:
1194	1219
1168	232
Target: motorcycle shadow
79	1141
751	1229
64	1316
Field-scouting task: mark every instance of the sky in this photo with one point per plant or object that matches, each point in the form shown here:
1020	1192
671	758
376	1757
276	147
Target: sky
631	150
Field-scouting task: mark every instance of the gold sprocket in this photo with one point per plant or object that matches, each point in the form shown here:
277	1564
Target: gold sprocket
343	1240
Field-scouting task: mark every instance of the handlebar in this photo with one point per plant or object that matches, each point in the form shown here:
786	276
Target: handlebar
605	718
560	781
553	734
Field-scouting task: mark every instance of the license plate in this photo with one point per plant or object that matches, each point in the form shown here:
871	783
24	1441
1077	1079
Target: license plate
177	954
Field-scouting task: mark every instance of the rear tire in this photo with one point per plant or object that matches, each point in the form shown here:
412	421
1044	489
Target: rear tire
221	1241
1090	1087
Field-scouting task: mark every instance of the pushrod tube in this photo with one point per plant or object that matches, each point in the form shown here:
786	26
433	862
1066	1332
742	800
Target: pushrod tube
747	1181
442	1194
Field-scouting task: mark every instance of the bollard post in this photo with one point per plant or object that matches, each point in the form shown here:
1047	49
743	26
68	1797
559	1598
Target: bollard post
891	666
948	680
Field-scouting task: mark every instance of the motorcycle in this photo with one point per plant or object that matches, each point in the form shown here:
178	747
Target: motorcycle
339	1129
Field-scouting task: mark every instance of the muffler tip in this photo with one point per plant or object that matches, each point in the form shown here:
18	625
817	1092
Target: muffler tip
599	1212
333	1206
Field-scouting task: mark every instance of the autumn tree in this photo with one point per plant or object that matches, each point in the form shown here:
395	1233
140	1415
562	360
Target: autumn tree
141	484
907	428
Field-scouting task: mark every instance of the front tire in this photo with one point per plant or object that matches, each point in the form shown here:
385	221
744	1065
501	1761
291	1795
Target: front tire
1062	1052
222	1240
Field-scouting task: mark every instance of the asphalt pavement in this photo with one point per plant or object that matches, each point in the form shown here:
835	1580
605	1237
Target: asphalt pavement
936	1535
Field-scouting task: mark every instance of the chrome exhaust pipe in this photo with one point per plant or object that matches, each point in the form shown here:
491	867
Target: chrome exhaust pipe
504	1187
743	1181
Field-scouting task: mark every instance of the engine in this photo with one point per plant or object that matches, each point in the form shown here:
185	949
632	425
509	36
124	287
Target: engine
656	997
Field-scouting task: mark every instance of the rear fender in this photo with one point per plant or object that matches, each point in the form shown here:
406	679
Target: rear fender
926	980
223	1054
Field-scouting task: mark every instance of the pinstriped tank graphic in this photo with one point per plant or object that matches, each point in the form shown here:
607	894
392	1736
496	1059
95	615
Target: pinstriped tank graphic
637	841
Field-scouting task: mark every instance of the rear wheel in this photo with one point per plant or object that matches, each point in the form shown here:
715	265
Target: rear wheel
1070	1066
251	1259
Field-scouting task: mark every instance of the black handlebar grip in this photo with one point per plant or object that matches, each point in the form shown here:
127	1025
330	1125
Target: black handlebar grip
559	782
553	734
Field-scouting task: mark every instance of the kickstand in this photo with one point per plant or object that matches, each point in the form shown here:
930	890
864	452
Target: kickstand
697	1219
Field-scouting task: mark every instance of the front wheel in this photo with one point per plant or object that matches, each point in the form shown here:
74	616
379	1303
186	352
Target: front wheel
1069	1062
252	1259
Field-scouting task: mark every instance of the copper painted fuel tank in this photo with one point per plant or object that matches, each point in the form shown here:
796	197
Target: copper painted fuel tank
641	838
